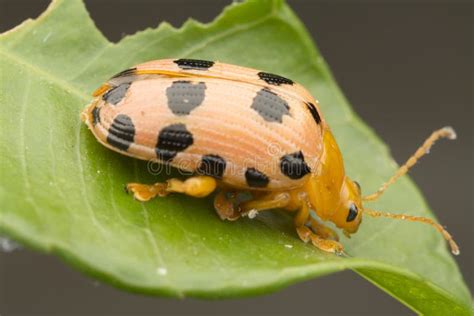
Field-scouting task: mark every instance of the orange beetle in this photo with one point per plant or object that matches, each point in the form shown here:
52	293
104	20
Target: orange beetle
238	130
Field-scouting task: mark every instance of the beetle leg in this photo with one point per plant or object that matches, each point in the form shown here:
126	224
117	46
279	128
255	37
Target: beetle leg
322	230
306	234
323	244
145	192
224	205
267	202
302	215
327	244
198	186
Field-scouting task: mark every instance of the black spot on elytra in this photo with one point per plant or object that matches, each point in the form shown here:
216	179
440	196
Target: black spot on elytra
95	115
314	112
255	178
293	165
274	79
125	73
121	132
116	94
196	64
270	106
171	140
212	165
183	96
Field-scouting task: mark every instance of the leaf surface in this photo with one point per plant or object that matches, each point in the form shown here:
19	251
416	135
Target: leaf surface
62	192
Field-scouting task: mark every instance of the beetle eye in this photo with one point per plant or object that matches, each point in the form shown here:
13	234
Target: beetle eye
352	213
357	185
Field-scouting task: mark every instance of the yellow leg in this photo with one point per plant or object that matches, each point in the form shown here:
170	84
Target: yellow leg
317	239
304	233
266	202
303	215
199	186
323	244
145	192
322	230
327	244
224	203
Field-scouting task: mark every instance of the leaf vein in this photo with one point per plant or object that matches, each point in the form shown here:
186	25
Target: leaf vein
237	29
50	77
83	184
150	236
24	148
99	54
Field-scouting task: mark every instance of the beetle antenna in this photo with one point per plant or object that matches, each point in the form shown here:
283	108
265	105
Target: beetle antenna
429	221
445	132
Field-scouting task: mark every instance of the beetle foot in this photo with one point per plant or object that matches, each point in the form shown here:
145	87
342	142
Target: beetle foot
145	192
304	233
326	245
323	231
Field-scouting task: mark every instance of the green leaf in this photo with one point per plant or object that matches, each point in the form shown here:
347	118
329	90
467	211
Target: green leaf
61	192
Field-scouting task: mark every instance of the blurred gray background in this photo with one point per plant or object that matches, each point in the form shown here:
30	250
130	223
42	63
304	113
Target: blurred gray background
406	67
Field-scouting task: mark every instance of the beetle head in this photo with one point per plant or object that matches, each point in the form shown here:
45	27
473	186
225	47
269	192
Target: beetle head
334	196
348	214
347	203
